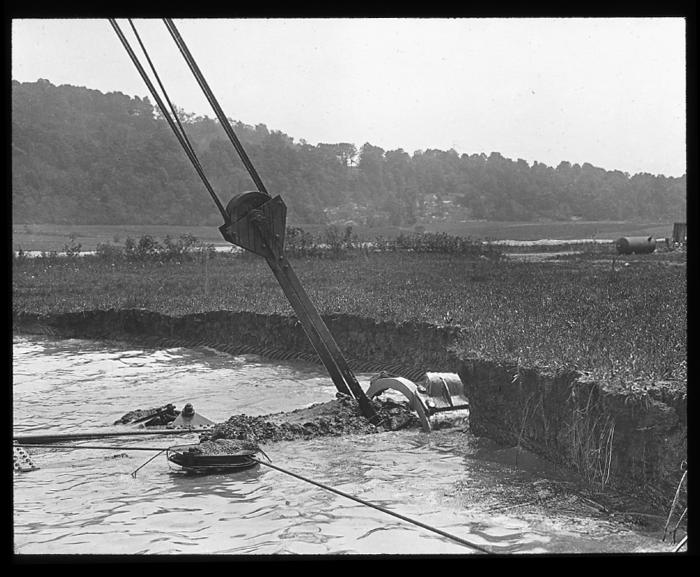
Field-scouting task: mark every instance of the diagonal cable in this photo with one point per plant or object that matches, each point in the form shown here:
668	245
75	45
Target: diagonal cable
183	142
375	506
163	90
215	104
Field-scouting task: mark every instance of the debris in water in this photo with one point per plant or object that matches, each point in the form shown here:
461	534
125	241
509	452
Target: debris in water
117	456
165	415
154	417
21	461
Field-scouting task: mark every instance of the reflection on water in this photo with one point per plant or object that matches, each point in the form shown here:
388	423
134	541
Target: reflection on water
87	501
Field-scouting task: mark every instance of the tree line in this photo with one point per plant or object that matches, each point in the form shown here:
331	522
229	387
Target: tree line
80	156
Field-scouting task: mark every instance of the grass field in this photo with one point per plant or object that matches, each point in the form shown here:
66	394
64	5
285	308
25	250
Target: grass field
47	237
620	320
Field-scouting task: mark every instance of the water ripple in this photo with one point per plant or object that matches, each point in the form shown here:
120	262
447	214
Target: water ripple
85	502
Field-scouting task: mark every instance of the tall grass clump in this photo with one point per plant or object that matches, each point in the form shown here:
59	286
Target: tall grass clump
591	434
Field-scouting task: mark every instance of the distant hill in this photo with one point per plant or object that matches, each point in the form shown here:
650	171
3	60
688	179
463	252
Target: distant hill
83	157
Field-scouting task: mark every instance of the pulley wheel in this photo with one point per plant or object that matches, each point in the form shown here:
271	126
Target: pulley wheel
243	203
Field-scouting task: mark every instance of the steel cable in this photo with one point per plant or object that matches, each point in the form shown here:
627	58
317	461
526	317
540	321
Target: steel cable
185	144
377	507
170	25
291	474
165	92
99	447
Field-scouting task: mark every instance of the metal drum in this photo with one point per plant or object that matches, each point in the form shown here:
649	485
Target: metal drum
636	245
445	391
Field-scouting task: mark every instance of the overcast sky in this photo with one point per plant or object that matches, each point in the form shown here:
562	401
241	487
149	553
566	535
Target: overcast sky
606	91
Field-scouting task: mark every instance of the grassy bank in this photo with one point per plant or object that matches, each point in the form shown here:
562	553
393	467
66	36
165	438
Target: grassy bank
626	322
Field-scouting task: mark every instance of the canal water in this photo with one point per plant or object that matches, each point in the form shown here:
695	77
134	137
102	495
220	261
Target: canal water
87	501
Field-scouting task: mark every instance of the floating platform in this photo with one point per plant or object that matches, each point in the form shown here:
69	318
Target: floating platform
197	458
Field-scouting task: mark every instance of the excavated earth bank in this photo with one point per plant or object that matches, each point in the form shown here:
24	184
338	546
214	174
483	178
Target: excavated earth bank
634	438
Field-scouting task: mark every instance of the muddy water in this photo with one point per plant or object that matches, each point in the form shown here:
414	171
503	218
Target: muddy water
87	501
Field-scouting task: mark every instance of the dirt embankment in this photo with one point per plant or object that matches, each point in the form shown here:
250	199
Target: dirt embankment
632	437
626	436
405	349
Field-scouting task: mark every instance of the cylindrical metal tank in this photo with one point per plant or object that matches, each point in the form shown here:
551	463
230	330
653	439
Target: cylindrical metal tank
636	245
445	391
434	383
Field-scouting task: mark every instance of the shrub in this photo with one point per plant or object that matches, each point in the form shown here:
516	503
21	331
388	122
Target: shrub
146	249
333	240
109	252
180	249
298	242
203	250
72	250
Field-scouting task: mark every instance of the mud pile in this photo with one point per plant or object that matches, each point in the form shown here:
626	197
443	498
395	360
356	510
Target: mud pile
340	416
223	447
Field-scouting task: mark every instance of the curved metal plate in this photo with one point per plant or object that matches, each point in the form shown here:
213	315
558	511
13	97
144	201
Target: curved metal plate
408	389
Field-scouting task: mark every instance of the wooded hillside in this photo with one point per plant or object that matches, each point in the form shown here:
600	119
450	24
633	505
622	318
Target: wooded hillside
83	157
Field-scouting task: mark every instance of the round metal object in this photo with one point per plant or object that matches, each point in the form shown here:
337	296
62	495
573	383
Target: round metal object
407	389
203	463
243	203
636	245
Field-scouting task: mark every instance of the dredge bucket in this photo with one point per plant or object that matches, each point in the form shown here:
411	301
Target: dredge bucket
443	392
433	393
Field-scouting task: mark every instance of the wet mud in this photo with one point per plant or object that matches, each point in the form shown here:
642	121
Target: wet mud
340	416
